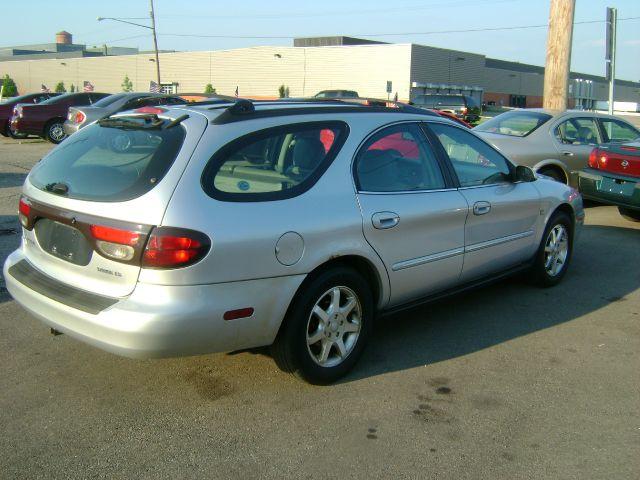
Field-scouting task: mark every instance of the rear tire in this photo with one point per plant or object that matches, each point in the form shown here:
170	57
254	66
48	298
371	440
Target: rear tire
631	215
54	131
326	328
554	253
553	173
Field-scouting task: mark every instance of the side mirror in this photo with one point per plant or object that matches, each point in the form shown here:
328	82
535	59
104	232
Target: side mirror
525	174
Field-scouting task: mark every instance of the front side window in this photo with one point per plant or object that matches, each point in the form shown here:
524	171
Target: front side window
474	162
617	131
397	159
578	131
275	163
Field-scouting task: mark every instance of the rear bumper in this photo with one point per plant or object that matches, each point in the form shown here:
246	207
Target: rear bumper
592	188
20	125
165	321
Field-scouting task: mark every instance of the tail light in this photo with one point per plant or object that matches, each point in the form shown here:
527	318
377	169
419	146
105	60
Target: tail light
593	158
17	111
114	242
24	210
79	117
174	247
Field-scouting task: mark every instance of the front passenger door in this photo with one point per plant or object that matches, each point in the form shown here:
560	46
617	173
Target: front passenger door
503	214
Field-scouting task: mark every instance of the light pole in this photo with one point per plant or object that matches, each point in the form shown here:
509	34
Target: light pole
153	30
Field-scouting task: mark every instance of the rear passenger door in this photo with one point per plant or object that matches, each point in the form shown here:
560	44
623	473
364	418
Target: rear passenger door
503	214
412	215
575	138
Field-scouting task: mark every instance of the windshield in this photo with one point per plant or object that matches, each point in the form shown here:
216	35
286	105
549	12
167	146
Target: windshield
109	100
114	161
518	123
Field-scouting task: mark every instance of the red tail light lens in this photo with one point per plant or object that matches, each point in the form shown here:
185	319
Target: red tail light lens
24	210
114	235
173	248
23	207
80	117
593	158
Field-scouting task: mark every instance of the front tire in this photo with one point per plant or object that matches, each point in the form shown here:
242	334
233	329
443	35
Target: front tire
631	215
327	327
54	131
554	253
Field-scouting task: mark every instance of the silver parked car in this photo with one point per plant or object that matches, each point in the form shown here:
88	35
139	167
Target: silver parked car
79	117
555	143
272	223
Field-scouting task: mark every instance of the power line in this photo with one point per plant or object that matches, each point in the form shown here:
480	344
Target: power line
433	32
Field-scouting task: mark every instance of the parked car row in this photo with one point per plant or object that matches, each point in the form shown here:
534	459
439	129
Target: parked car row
594	152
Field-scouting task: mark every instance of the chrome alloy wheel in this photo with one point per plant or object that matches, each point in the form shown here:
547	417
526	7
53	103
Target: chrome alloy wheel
56	132
333	326
556	250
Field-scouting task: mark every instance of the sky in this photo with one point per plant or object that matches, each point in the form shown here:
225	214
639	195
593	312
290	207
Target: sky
224	23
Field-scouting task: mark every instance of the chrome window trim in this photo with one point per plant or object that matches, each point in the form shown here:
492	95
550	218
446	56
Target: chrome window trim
497	241
407	192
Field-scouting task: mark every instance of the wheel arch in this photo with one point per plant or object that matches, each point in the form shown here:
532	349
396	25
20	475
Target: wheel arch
555	164
359	263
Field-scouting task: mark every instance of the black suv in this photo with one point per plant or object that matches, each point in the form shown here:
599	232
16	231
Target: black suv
461	106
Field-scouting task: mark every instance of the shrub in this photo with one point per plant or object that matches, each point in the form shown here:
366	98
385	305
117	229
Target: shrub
60	88
10	89
209	89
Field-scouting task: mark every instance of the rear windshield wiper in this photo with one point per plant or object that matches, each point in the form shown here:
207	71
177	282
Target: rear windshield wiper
133	123
59	188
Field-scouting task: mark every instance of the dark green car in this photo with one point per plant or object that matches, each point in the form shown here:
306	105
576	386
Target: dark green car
613	177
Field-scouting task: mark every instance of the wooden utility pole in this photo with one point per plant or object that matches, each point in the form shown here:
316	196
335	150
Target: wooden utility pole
556	73
155	41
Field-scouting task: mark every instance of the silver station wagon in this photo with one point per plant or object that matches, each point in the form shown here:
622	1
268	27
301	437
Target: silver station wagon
206	228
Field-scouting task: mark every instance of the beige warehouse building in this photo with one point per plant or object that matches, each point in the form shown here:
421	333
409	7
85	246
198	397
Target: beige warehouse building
373	69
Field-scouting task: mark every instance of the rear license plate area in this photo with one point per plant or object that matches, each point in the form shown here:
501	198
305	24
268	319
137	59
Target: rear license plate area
616	187
63	241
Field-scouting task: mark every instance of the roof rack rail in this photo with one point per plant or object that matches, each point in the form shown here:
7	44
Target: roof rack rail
245	109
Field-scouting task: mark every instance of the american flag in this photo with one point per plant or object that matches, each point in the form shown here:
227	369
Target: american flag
236	90
44	89
154	87
88	87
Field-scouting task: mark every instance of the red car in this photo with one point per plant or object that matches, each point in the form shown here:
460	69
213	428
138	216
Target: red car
6	109
46	119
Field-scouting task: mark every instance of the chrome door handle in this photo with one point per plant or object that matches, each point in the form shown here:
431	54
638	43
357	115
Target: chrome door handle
568	154
384	220
480	208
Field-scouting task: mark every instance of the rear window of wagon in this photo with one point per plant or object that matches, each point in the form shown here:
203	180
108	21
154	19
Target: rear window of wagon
275	163
109	163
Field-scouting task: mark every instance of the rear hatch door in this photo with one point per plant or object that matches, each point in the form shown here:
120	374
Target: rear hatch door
93	200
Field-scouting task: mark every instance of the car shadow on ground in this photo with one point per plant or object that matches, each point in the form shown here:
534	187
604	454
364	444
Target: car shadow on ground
9	241
8	180
507	310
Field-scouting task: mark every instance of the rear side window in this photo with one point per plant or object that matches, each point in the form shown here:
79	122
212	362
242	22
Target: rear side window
109	163
275	163
617	131
397	159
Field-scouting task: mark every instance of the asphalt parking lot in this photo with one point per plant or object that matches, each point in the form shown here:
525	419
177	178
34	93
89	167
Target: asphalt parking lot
508	382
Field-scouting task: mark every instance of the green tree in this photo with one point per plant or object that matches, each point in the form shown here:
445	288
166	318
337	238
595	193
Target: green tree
209	89
60	88
72	88
9	87
283	91
127	85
